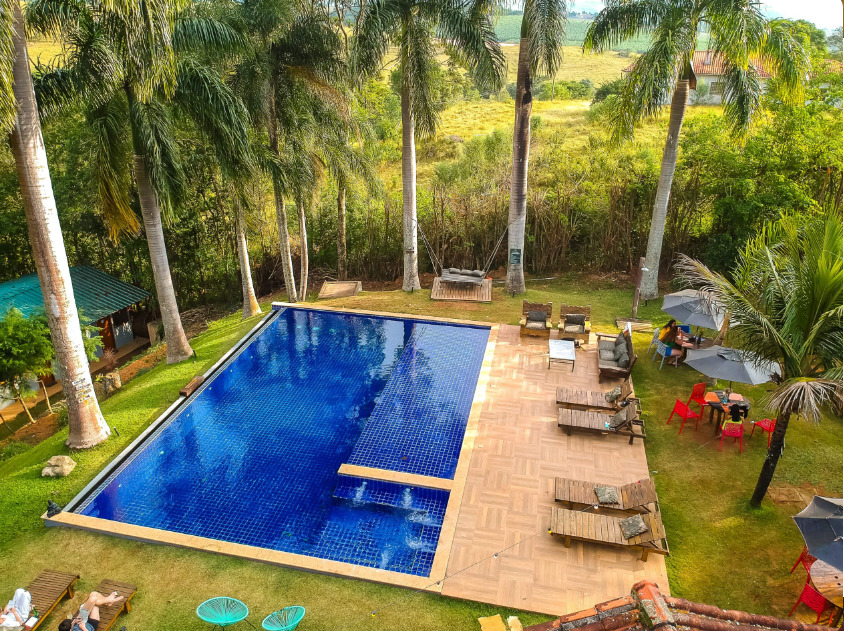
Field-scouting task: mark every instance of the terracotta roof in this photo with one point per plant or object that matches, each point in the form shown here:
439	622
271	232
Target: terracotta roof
646	609
709	62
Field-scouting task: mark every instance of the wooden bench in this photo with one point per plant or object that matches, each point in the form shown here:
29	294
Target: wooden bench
193	384
598	528
48	589
597	423
594	400
109	614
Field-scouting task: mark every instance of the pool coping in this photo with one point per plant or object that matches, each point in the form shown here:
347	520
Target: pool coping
431	583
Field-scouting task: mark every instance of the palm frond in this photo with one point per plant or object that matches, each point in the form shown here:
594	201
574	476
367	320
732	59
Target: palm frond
418	62
8	104
621	21
380	20
544	24
54	17
208	35
804	396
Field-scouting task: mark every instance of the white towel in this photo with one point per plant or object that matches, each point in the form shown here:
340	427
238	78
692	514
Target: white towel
21	601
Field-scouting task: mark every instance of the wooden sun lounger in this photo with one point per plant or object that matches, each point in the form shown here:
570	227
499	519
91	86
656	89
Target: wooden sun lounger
635	496
596	422
599	528
48	589
109	614
592	400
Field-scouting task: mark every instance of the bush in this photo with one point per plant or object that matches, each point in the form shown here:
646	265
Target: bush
563	90
606	89
535	122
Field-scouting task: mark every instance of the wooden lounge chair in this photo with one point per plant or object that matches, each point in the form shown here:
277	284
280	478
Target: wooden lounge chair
109	613
577	331
594	400
634	497
599	528
598	423
48	589
536	328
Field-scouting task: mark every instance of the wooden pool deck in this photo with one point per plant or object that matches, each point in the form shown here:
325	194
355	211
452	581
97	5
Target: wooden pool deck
462	291
509	492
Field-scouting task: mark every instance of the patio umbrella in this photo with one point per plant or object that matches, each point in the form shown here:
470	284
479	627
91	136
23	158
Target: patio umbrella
731	364
820	525
696	308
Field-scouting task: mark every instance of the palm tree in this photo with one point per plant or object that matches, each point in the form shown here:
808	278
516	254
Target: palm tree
250	302
739	34
412	26
291	61
540	46
785	302
134	68
19	113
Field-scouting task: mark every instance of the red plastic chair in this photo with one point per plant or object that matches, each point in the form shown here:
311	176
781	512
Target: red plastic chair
698	394
815	601
806	559
766	425
685	414
734	431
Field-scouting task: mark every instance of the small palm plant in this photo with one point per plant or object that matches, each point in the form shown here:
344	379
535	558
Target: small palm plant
465	28
742	38
785	304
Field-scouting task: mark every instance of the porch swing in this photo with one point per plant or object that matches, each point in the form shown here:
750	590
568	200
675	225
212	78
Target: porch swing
455	275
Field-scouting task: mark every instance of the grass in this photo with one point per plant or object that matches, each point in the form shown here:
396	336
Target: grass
723	552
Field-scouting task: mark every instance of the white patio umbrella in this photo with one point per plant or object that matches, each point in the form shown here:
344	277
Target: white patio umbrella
731	364
695	308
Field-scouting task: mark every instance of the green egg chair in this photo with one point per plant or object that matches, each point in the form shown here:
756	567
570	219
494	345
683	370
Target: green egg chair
285	620
222	611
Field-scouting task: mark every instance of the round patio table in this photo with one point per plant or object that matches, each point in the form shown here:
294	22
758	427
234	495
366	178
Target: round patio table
828	581
715	404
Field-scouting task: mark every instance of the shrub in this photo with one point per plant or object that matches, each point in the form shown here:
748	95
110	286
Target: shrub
606	89
13	449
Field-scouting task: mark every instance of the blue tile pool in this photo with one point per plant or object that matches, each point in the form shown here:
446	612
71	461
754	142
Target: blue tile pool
252	457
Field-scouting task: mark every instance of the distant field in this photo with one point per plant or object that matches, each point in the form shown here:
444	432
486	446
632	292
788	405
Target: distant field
577	65
43	51
509	27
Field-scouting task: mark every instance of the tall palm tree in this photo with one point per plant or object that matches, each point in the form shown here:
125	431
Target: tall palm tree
250	302
19	113
540	47
785	302
137	66
412	25
738	33
292	60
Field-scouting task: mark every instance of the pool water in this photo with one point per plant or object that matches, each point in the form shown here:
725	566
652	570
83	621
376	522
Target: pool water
252	457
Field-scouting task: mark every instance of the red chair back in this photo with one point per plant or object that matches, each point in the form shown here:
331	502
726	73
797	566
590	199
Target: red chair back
813	599
683	410
698	392
732	429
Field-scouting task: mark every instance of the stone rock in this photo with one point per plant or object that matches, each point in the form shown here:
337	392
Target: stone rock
111	382
99	389
455	138
58	467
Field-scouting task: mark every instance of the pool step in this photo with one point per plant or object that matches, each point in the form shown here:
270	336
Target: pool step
415	500
396	477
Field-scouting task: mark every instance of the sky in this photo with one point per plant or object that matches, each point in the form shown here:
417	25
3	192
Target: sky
826	14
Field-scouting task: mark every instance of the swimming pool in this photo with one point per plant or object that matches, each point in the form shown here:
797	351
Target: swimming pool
252	457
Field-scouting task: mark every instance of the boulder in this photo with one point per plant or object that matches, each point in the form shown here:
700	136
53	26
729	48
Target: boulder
455	138
58	467
111	382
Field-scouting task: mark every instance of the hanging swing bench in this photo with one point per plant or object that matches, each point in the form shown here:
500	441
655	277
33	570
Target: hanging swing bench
453	283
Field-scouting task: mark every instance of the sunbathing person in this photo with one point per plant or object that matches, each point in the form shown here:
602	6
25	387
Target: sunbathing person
88	618
16	612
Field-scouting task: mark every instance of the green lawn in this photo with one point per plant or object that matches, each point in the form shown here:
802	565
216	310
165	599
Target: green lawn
722	552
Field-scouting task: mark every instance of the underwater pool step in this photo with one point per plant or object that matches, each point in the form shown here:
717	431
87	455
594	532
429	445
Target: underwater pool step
396	477
426	506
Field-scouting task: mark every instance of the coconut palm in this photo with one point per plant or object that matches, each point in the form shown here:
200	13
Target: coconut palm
250	302
412	25
738	33
19	114
134	68
292	60
540	48
785	302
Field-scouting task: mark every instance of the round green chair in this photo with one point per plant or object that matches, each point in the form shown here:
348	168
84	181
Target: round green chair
285	620
222	611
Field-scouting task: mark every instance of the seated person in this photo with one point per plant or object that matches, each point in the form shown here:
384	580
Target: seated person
670	341
16	612
88	618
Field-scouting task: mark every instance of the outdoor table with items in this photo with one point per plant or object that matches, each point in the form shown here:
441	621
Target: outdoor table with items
721	401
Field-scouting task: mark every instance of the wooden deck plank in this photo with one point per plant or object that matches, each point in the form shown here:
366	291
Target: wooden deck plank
339	289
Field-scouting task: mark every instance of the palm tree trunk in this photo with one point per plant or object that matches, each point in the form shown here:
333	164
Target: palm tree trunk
303	239
650	278
408	182
86	424
178	348
518	177
771	459
250	302
341	228
280	206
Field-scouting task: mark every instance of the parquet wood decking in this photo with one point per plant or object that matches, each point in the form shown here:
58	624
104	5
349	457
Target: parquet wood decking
462	291
509	492
339	289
